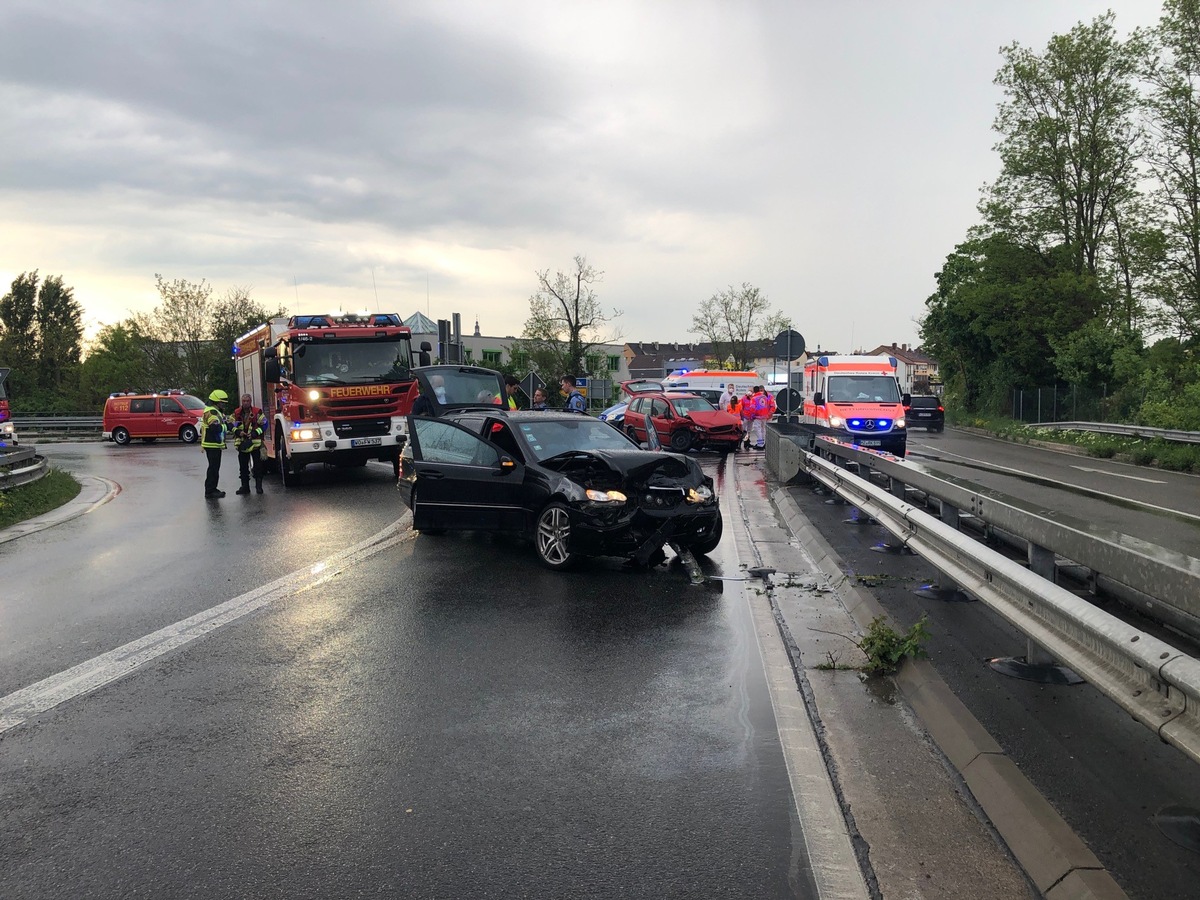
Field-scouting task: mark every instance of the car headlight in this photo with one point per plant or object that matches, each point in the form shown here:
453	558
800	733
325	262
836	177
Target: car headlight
836	421
605	496
314	396
304	434
702	494
899	423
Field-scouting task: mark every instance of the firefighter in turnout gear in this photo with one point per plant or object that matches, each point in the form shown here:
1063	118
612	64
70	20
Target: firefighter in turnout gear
248	422
212	441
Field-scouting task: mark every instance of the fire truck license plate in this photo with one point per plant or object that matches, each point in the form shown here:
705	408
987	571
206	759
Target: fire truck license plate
365	442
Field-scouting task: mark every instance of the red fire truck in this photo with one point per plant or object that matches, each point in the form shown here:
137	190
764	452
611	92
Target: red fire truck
335	389
8	434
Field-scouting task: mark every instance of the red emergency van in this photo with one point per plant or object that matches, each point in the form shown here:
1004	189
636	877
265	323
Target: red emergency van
148	417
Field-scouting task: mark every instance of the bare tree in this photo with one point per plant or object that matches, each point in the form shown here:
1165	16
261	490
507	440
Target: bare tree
566	318
734	319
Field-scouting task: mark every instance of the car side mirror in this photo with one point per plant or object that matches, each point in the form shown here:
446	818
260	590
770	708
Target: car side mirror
505	466
906	399
271	371
818	399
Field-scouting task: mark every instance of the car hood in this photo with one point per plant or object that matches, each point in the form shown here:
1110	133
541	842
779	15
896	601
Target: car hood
713	419
631	465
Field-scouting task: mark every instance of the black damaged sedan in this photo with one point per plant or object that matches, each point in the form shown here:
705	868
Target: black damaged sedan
575	485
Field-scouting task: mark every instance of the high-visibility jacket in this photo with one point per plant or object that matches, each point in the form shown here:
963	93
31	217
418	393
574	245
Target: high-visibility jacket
735	405
212	429
248	424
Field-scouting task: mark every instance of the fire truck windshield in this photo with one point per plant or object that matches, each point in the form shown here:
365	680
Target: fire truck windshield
863	388
352	362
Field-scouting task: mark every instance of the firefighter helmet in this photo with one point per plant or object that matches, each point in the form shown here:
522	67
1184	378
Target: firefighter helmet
218	396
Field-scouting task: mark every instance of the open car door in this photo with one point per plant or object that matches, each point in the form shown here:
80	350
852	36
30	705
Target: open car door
461	481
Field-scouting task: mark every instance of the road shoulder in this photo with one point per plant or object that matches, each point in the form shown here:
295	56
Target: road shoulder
918	830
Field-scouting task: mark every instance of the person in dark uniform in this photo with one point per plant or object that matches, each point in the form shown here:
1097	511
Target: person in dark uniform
248	423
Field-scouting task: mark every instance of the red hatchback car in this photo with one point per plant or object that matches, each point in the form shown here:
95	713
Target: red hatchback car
682	421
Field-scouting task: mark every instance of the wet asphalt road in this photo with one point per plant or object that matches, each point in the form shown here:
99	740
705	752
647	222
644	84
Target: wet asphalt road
1106	774
442	719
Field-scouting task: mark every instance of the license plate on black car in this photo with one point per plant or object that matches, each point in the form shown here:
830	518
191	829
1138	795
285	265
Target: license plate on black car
924	415
365	442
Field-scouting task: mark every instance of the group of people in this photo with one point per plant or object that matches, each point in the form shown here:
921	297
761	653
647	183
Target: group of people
245	425
755	408
424	405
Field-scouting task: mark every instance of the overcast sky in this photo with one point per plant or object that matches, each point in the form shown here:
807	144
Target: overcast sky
829	152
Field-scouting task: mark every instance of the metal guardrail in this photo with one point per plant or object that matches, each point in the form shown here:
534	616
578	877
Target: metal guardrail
20	466
42	421
1164	434
1156	683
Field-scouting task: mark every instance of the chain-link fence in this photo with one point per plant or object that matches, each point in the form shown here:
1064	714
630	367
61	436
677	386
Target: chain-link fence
1070	403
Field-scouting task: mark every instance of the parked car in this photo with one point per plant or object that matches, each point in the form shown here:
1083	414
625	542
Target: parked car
615	414
168	414
682	422
925	412
573	484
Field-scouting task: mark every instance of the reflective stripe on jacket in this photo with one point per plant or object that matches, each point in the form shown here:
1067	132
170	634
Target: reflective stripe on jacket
212	429
248	424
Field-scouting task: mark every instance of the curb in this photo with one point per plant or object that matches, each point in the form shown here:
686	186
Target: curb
1057	861
95	491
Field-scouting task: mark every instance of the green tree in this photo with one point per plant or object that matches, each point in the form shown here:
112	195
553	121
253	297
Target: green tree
735	319
18	334
59	337
998	310
41	337
1172	152
116	361
1068	142
566	319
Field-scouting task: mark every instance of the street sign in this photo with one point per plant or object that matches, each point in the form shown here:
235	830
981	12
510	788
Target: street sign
531	383
789	344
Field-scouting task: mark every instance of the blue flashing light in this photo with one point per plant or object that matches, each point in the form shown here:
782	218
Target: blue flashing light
823	361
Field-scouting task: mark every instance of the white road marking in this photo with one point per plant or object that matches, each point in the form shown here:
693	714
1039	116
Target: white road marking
48	693
1091	492
1119	475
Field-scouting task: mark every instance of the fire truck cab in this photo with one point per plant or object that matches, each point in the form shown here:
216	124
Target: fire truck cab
857	399
335	389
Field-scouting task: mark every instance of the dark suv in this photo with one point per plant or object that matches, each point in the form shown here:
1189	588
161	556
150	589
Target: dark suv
925	412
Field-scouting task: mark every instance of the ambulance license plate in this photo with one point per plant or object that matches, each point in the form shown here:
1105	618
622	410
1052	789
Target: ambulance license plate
365	442
869	443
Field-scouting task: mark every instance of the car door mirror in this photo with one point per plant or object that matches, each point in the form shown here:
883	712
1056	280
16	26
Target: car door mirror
271	371
906	399
504	466
818	399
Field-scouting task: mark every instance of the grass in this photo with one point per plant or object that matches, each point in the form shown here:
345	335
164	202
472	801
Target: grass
1140	451
29	500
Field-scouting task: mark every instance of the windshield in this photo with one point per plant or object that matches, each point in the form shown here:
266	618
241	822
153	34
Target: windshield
466	386
190	402
869	388
551	437
352	362
685	405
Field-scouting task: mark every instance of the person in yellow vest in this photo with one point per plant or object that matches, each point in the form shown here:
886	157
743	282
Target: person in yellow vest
510	389
212	441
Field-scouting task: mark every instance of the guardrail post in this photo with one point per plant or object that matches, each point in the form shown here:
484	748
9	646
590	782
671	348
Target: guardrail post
944	588
890	543
1037	665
